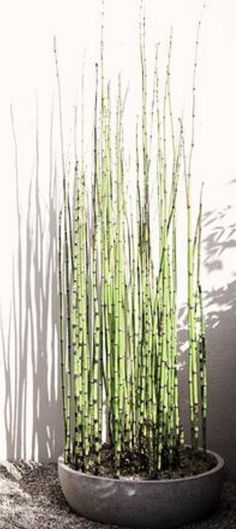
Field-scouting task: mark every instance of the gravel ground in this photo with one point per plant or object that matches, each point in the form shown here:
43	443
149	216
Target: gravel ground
31	498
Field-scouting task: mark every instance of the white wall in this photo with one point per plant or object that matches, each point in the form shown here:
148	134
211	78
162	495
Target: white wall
30	416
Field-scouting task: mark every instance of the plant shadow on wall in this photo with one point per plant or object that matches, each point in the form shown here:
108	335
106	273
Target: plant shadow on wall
220	315
30	344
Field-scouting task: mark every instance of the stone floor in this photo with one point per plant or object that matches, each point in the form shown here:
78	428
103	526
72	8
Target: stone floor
31	498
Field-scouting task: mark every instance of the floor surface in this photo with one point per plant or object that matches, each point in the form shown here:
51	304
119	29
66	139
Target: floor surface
31	498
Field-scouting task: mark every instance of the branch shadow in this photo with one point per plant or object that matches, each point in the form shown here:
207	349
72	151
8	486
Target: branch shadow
32	411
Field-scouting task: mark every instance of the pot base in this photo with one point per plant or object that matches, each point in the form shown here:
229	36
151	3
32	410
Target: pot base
162	504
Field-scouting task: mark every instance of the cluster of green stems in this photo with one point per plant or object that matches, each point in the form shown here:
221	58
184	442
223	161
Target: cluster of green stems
118	308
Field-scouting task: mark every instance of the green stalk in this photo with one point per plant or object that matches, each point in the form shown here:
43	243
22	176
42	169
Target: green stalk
62	340
67	267
201	339
96	376
193	353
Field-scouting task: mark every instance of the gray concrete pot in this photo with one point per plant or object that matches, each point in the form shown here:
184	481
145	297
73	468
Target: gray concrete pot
154	504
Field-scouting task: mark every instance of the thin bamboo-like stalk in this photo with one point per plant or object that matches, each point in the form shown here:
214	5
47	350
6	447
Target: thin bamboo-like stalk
67	311
201	339
193	349
62	341
96	376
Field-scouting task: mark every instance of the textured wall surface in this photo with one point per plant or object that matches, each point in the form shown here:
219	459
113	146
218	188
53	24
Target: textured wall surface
30	416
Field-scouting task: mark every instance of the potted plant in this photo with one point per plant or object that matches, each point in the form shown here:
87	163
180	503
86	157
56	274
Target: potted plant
125	461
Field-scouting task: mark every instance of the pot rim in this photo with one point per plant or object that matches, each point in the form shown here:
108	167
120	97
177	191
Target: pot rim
219	465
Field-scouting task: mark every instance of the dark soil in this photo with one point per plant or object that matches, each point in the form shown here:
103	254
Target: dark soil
134	466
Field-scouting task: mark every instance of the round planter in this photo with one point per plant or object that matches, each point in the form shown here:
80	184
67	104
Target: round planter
156	504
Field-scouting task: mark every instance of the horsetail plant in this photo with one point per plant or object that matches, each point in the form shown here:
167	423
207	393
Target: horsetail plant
118	299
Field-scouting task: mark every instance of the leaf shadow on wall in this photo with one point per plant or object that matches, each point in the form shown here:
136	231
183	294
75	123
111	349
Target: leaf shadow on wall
221	324
32	411
220	315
